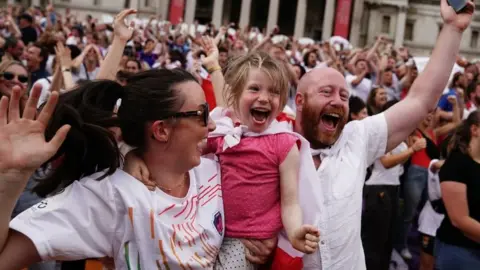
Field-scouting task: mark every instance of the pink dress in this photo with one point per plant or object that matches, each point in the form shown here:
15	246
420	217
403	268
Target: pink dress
251	183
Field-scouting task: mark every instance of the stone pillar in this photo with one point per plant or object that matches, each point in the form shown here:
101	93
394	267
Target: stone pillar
272	15
34	2
190	11
328	16
134	5
217	13
355	28
300	18
400	28
245	13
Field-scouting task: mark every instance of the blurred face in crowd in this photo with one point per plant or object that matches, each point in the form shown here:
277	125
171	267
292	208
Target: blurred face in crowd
239	45
33	58
380	98
91	55
387	78
391	63
17	51
360	115
361	66
277	53
180	41
322	106
401	71
14	75
132	67
462	82
91	39
223	58
312	60
149	46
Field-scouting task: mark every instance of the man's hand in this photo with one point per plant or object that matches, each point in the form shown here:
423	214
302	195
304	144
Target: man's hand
258	251
459	21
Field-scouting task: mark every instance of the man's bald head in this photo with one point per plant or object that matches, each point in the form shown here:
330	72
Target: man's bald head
321	76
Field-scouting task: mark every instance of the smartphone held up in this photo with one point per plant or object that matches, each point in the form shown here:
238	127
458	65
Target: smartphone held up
458	5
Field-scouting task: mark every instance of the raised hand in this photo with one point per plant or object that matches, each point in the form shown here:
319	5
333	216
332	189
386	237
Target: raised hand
419	144
137	168
211	49
460	21
23	148
63	55
120	29
305	239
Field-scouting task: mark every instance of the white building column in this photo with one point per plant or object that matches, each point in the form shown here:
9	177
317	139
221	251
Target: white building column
190	11
217	13
328	16
300	18
400	28
245	13
34	2
134	5
272	15
164	6
355	28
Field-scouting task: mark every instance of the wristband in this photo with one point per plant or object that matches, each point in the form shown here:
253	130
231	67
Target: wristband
213	69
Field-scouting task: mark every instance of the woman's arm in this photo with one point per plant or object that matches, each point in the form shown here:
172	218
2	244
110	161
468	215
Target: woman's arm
454	195
302	237
22	151
456	119
391	160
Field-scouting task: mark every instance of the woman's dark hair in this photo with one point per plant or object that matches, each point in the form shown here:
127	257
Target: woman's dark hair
371	106
307	55
462	136
139	65
302	70
455	79
89	146
356	105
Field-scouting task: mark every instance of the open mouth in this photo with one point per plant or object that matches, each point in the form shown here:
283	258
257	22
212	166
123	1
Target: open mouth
330	121
260	115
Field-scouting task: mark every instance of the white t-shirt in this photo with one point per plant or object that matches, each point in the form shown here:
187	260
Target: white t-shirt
119	217
84	75
45	83
382	176
429	220
362	89
341	176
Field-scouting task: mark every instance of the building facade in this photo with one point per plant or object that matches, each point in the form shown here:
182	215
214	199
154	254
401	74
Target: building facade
411	23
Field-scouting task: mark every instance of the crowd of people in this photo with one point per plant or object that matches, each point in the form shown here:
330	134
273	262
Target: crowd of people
159	146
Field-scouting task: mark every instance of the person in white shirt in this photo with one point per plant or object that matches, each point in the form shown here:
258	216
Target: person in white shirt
107	213
359	84
431	216
342	152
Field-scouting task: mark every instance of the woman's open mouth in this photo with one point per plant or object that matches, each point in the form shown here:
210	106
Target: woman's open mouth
260	115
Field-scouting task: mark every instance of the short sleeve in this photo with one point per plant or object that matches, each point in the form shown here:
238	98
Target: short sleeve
376	135
74	224
455	168
285	142
212	145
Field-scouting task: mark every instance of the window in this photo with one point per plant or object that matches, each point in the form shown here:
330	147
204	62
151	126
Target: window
474	39
96	2
386	24
408	35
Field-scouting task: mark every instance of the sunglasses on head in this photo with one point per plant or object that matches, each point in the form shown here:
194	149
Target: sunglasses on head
203	112
10	76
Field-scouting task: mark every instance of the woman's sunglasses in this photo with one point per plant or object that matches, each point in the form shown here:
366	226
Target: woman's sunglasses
204	113
10	76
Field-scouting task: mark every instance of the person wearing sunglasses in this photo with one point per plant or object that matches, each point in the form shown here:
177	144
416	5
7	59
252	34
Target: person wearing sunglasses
13	73
108	213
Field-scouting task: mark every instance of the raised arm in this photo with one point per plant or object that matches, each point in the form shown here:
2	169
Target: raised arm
405	116
122	33
22	151
213	67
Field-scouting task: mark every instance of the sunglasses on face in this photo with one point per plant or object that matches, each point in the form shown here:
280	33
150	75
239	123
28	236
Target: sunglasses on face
203	112
10	76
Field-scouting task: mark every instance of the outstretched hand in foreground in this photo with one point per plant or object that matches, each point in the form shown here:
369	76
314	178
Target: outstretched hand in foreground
24	148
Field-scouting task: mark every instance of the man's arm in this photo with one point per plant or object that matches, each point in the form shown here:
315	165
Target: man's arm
422	98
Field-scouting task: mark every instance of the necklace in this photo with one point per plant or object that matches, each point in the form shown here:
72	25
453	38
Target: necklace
169	190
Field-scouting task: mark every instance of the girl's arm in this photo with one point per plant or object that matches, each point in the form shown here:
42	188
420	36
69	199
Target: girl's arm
213	67
391	160
454	195
302	237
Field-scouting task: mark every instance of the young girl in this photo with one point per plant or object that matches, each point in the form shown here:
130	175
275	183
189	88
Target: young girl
259	159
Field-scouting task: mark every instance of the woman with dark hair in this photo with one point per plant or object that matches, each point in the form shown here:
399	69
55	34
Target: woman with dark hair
358	109
457	243
108	213
377	98
381	195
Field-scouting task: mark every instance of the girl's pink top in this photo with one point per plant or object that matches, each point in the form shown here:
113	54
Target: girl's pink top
251	183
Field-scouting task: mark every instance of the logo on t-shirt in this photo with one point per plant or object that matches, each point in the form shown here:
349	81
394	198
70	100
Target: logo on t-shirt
218	223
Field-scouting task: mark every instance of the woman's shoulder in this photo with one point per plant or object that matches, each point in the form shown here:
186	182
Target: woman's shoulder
208	170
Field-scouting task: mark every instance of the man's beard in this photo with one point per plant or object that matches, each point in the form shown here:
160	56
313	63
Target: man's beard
310	122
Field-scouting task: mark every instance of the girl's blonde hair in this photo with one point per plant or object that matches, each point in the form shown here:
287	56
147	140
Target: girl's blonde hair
237	72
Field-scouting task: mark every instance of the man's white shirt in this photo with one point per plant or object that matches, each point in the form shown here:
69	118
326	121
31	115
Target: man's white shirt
341	176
